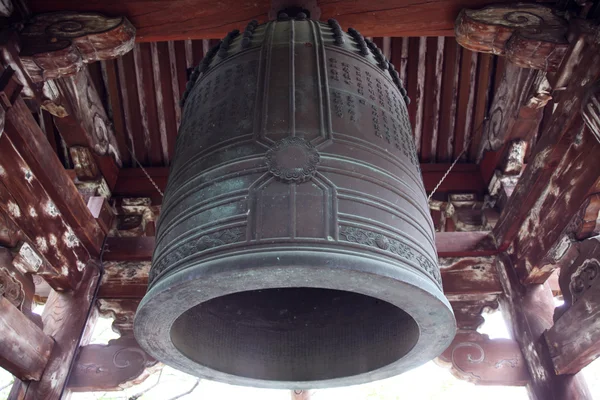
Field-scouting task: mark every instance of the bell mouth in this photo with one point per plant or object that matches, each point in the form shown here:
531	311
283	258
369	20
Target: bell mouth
295	334
215	319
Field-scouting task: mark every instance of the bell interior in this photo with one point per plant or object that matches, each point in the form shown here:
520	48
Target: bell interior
295	334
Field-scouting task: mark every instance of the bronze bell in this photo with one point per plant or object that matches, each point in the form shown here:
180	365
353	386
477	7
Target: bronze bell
295	248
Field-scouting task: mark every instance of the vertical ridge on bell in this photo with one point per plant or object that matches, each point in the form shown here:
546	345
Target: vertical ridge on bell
292	99
293	220
324	81
262	83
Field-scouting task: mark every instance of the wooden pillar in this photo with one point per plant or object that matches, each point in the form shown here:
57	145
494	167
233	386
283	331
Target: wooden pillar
65	316
530	312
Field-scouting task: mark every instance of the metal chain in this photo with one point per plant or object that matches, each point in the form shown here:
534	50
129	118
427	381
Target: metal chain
146	173
455	161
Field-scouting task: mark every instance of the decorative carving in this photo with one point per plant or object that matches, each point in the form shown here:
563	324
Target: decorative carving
293	159
475	358
590	110
11	288
368	238
529	35
58	44
116	366
574	339
122	311
584	278
195	246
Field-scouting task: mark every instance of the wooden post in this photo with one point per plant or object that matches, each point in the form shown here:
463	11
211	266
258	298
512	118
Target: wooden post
574	339
530	310
24	348
64	317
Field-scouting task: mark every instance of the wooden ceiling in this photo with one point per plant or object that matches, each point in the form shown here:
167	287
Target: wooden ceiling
450	90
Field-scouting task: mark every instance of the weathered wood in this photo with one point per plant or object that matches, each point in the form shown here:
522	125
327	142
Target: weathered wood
123	280
205	19
574	339
122	310
529	35
15	286
561	174
468	309
464	178
516	110
116	366
587	221
59	44
469	275
475	358
10	234
24	348
590	110
529	310
65	316
85	123
26	202
44	93
102	211
33	147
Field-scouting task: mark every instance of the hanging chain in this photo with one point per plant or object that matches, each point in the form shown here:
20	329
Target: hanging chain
455	160
145	172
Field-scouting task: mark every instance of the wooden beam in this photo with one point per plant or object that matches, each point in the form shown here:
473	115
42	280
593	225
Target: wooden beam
464	178
469	276
205	19
65	316
24	348
124	280
32	145
463	279
530	309
574	339
561	174
476	358
23	198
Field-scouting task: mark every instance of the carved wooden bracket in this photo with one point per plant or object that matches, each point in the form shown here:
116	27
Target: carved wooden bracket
475	358
574	340
58	44
123	312
15	286
116	366
528	35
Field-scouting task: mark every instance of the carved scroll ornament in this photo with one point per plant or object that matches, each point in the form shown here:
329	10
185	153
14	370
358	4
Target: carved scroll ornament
58	44
528	35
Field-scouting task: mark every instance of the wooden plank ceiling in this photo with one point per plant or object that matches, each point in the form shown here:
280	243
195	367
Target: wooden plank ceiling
450	88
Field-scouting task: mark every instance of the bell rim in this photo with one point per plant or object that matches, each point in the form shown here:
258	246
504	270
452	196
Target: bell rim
362	273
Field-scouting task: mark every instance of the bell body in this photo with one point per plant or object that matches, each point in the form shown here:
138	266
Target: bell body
295	247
